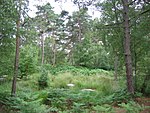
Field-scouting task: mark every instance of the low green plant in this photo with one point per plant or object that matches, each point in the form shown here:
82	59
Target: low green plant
115	98
103	108
32	107
25	102
131	107
73	100
5	87
78	107
53	110
94	82
59	97
54	70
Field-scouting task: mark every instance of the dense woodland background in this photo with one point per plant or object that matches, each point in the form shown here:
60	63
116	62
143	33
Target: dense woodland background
116	44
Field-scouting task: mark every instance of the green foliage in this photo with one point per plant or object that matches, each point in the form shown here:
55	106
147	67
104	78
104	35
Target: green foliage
95	82
5	87
24	103
28	60
34	107
100	42
65	100
43	79
54	70
131	106
147	89
117	97
7	31
78	107
103	109
91	53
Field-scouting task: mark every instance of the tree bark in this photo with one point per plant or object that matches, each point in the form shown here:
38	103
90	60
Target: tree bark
16	64
128	59
53	48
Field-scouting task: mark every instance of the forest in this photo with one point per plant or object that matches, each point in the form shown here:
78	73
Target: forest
72	62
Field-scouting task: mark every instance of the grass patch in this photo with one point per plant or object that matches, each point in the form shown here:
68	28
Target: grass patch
96	82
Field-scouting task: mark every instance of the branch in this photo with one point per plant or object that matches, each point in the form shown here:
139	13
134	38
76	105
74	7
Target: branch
140	14
119	23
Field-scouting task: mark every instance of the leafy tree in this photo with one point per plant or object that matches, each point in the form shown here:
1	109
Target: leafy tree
140	48
110	30
45	24
113	32
77	32
28	60
7	32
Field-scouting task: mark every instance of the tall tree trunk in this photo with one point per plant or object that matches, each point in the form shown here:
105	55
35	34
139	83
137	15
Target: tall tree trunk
70	55
128	60
135	65
135	70
16	64
42	42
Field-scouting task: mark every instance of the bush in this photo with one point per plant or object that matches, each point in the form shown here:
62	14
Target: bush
43	79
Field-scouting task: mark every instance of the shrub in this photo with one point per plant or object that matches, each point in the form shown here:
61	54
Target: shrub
43	79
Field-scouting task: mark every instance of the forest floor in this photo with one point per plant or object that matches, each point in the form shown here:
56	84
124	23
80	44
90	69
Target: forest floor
143	101
109	96
3	109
